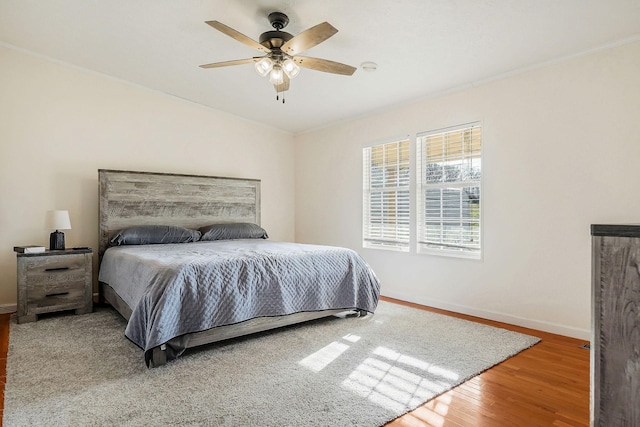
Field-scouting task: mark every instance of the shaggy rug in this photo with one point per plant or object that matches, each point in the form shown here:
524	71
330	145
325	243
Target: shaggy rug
81	370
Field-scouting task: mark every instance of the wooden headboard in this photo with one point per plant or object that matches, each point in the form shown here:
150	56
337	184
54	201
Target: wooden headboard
129	198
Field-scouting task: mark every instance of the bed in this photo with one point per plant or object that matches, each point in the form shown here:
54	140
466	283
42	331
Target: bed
218	283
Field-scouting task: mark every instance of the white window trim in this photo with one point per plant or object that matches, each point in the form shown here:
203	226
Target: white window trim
370	243
418	195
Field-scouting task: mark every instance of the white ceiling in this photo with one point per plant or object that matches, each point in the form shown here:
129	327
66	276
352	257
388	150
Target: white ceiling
422	47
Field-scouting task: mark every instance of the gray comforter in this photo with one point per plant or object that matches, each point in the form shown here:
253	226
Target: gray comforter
175	289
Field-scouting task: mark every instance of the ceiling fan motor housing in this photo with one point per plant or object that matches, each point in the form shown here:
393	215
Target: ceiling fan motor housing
274	39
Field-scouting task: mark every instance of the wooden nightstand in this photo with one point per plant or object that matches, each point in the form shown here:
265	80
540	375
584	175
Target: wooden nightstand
54	281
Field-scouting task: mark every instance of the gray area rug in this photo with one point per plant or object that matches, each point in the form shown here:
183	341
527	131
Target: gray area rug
81	370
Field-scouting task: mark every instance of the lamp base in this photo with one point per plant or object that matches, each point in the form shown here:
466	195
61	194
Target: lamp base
56	241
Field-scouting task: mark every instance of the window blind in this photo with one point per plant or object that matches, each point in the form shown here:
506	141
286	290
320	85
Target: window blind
449	188
386	192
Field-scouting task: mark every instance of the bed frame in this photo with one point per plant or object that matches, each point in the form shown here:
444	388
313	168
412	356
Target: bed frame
129	198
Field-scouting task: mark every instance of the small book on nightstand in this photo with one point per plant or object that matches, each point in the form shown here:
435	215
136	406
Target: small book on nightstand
29	249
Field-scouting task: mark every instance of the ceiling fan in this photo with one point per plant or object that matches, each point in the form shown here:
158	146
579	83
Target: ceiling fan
281	62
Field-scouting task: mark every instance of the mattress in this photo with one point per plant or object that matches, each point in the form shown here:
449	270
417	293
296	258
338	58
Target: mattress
177	289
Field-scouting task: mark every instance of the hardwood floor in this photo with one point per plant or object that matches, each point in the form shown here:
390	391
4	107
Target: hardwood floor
546	385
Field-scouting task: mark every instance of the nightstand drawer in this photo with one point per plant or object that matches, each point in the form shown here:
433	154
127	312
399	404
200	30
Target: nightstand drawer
55	269
55	296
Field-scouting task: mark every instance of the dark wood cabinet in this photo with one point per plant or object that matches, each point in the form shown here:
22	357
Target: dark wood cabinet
615	344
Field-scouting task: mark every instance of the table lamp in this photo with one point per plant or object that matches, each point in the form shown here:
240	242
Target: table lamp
57	220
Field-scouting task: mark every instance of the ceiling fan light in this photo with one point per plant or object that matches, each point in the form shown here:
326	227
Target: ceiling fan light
290	68
263	66
277	76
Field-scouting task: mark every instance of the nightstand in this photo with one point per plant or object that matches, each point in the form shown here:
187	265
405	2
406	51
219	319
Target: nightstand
54	281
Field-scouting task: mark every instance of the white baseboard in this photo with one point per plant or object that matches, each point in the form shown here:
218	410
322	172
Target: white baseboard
582	334
8	308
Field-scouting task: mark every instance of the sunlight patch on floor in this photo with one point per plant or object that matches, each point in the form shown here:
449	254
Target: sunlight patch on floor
416	363
432	413
391	386
323	357
390	379
429	416
351	338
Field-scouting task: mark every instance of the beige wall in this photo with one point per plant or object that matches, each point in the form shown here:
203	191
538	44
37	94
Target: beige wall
59	125
561	150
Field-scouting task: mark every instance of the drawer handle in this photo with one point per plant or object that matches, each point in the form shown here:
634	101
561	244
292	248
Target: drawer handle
57	269
57	294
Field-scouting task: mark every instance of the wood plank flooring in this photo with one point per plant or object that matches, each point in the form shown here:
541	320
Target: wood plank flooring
546	385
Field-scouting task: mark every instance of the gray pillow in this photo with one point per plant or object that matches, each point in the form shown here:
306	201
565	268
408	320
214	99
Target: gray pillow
153	234
231	231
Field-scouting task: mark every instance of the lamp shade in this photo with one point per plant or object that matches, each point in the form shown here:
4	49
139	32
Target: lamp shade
58	220
277	76
263	66
290	68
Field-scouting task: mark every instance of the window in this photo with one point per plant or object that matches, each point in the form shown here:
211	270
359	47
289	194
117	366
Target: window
386	192
450	165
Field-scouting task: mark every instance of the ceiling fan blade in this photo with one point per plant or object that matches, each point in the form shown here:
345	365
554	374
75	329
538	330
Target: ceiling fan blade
324	65
284	86
228	63
237	36
309	38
